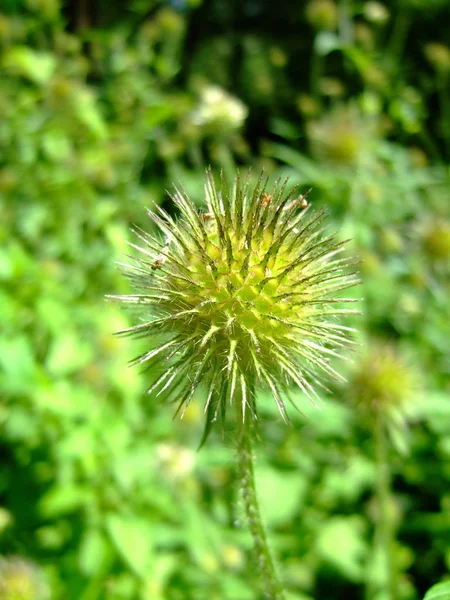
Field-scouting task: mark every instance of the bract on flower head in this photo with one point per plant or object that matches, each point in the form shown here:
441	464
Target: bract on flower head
239	297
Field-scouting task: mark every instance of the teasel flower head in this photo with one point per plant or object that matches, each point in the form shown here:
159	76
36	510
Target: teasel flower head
243	296
385	383
322	14
438	56
435	234
340	137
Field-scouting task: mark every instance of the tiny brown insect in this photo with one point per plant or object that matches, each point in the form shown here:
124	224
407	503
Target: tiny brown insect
158	263
302	198
266	198
300	201
162	256
303	202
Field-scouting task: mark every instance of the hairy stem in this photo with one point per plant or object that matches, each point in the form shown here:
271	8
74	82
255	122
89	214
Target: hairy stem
384	530
272	586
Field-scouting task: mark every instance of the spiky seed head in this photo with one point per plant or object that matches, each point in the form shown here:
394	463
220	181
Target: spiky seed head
322	14
339	137
384	382
435	234
438	56
242	296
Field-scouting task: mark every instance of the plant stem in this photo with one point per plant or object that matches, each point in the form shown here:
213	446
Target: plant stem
398	38
384	529
443	96
316	71
272	586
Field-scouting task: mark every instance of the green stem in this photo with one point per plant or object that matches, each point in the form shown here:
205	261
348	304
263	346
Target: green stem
345	23
398	38
384	529
272	586
443	96
316	71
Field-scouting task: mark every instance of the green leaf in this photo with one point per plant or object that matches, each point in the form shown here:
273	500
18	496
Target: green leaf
89	114
68	353
95	552
341	544
440	591
21	424
280	494
201	537
359	477
133	540
18	372
56	145
63	499
285	129
305	168
156	114
437	412
36	66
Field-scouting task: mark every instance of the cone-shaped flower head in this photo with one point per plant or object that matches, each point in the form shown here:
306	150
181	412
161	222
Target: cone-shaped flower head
384	382
241	296
340	137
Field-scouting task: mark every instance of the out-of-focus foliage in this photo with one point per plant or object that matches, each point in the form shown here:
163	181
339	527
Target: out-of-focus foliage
103	105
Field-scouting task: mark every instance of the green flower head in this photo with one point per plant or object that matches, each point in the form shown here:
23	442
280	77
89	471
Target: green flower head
239	297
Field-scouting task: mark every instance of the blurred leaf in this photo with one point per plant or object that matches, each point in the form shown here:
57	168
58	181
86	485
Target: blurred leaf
95	552
341	543
285	129
88	113
63	499
17	367
305	170
36	66
440	591
437	412
20	425
281	494
348	485
68	353
202	539
157	114
56	145
133	540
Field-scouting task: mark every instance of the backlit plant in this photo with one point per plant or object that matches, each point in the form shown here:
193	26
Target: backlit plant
241	297
385	387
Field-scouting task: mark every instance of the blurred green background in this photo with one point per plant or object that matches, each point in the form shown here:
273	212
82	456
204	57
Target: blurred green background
102	106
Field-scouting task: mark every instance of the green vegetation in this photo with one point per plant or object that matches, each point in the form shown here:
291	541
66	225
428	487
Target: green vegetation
103	106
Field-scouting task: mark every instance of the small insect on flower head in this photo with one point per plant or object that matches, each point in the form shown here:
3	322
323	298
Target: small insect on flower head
246	298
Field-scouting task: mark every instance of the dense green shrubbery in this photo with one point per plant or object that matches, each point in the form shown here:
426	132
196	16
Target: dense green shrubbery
101	110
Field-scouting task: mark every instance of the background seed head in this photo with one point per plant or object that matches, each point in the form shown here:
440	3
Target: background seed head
436	239
384	382
340	137
246	294
322	14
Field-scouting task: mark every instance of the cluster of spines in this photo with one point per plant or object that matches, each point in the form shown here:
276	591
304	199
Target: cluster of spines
175	296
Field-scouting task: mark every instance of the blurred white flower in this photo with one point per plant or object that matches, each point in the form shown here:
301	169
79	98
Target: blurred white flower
174	460
377	13
218	110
